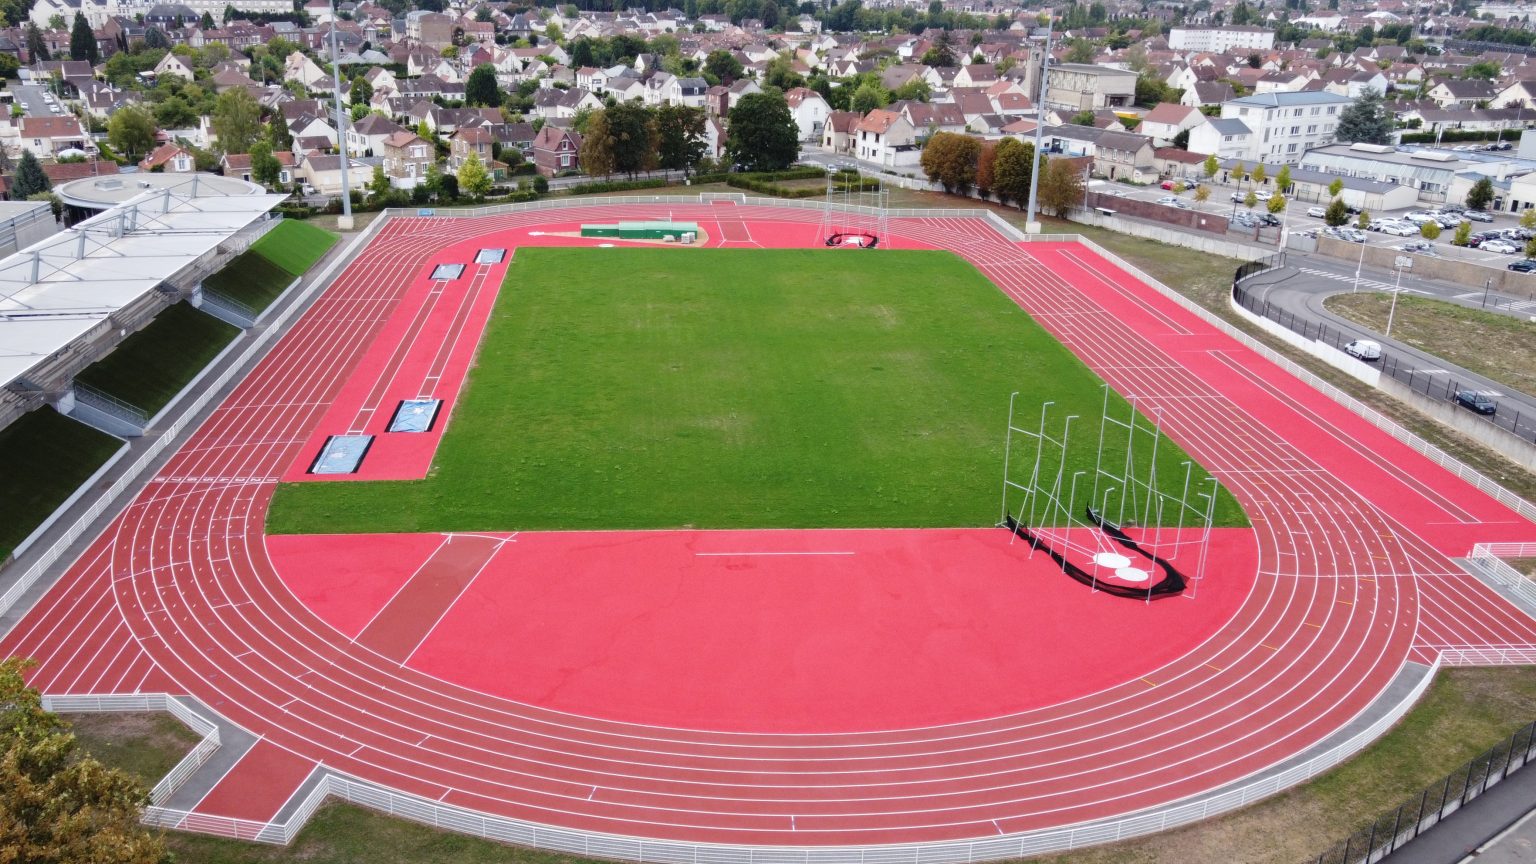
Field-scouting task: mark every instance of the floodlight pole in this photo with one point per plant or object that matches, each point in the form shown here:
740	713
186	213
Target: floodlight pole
344	221
1031	225
1007	451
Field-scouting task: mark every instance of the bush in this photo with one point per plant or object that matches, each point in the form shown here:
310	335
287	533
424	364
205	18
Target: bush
765	187
607	185
1455	135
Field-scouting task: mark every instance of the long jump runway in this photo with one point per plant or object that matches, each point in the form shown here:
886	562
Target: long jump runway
306	642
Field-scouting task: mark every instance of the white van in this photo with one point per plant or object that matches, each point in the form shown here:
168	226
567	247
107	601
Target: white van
1364	349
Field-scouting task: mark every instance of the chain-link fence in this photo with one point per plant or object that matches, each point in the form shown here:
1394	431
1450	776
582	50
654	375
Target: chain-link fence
1389	831
1434	383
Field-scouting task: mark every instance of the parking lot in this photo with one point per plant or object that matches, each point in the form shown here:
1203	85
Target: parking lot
1296	219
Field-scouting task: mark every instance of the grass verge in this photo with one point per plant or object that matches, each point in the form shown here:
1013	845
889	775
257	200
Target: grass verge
151	366
1465	712
1498	347
44	457
260	274
814	388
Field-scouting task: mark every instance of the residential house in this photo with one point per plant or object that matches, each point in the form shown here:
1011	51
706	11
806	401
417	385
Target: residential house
406	158
171	158
475	140
239	165
1164	122
556	151
298	67
1463	93
44	137
366	136
886	138
810	111
1228	138
324	173
837	134
173	64
1125	156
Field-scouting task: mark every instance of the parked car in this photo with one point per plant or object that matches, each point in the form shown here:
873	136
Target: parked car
1364	349
1452	208
1419	217
1503	247
1263	194
1353	235
1477	402
1478	216
1317	212
1168	184
1171	201
1524	265
1399	229
1415	246
1269	219
1378	224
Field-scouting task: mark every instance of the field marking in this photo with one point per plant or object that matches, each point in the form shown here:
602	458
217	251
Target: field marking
762	554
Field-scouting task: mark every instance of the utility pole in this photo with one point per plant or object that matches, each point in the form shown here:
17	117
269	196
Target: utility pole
344	221
1031	224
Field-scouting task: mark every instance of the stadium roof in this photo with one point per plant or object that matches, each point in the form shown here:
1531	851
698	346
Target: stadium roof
58	289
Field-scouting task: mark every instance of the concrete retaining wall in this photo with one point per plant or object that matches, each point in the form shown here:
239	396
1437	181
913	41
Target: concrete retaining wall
1474	276
1171	235
1515	448
1321	350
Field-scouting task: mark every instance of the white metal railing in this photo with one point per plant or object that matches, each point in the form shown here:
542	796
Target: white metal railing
105	402
1488	557
177	776
130	477
1488	655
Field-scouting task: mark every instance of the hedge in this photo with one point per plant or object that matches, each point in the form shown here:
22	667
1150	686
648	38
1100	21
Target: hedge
615	186
1454	135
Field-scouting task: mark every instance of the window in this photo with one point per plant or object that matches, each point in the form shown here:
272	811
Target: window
1295	130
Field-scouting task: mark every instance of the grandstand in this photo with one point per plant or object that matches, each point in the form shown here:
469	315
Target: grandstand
68	299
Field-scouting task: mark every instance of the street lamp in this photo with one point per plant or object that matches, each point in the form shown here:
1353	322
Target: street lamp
343	222
1396	290
1358	265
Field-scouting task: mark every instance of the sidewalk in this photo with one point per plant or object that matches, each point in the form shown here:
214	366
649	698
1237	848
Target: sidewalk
1464	832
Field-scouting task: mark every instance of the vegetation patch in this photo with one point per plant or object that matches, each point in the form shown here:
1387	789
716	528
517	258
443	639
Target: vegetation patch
813	388
151	366
44	457
1498	347
258	276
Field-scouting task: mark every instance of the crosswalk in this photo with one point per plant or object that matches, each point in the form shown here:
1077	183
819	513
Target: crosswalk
1364	283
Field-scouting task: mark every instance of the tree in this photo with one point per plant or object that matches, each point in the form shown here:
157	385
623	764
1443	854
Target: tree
61	804
1061	186
942	53
265	169
1528	219
1363	220
1080	51
29	179
237	120
1336	187
1283	179
1337	213
207	21
82	42
1258	174
1463	234
1082	118
474	180
723	65
1178	187
481	87
679	137
986	165
950	160
1251	199
279	136
1239	173
361	92
1202	193
633	131
1481	194
1181	139
131	131
763	134
1275	204
1367	120
869	96
597	146
1430	230
378	184
1211	166
36	49
1012	168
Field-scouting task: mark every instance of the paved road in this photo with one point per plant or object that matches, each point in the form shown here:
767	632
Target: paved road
1497	828
31	95
1301	286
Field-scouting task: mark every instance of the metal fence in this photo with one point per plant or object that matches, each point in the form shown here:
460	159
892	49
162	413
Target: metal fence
1389	831
1489	558
1434	383
109	404
177	776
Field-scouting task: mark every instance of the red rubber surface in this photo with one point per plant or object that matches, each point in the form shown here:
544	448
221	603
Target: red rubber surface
1352	533
782	631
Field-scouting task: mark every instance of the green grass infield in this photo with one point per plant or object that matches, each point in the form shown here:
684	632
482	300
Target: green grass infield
663	388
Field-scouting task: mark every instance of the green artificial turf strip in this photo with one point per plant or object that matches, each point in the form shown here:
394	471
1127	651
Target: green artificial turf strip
151	366
44	457
657	388
294	246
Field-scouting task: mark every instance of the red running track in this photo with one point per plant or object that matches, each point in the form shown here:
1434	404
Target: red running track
182	595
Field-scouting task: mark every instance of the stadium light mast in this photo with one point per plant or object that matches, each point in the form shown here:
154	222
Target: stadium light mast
1031	224
344	221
